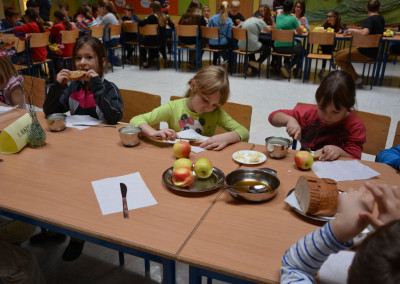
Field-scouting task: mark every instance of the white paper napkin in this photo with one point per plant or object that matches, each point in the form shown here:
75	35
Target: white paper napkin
343	170
5	109
108	193
81	119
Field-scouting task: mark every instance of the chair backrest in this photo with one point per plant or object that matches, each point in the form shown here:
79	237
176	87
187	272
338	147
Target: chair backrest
239	34
283	35
396	140
377	127
115	30
186	30
210	32
321	38
68	37
35	90
130	27
136	103
39	39
240	113
367	41
149	30
97	31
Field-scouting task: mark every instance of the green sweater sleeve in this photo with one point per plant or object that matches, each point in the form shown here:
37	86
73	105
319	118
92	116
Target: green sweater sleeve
229	124
162	113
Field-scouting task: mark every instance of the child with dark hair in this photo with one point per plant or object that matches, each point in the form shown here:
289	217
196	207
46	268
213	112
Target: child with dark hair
62	23
299	12
85	19
11	20
129	15
328	127
64	7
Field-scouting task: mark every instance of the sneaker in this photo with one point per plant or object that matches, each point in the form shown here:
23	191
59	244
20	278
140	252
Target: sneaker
47	236
285	73
73	250
254	64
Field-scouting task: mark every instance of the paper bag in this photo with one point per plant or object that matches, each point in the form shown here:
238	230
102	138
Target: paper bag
14	137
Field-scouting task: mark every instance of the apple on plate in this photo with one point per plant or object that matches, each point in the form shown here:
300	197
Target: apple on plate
183	162
203	168
303	160
182	149
182	177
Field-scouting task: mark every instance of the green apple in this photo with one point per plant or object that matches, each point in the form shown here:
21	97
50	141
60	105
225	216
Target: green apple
203	168
183	162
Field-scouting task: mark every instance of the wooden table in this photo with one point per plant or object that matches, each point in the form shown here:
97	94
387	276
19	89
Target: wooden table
248	240
51	187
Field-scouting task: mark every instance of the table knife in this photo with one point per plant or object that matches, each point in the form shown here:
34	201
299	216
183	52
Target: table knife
124	203
90	125
305	147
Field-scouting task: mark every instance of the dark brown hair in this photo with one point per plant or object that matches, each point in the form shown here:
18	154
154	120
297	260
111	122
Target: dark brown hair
374	5
10	12
97	47
287	6
267	15
33	16
192	16
338	89
60	15
338	22
378	257
303	7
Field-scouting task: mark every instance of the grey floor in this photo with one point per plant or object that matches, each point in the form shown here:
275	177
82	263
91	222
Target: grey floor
100	265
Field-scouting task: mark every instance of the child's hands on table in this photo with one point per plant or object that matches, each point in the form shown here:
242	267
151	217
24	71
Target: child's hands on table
165	134
330	153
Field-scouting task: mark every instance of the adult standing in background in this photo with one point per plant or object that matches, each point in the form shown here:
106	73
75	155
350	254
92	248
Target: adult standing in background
234	13
373	24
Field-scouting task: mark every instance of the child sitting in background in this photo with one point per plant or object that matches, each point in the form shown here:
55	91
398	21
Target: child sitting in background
11	20
11	84
199	110
390	156
62	23
330	127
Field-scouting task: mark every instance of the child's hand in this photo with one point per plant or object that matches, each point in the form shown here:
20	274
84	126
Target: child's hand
293	128
165	134
90	74
220	141
63	76
348	223
330	153
388	200
303	21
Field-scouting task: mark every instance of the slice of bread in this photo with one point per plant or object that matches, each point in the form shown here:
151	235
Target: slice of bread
76	75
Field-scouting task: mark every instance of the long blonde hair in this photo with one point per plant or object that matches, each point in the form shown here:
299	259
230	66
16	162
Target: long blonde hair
156	8
7	70
223	11
210	80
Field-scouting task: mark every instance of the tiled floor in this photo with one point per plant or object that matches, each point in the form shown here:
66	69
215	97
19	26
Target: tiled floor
100	265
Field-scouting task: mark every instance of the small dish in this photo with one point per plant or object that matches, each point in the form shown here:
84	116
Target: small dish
249	157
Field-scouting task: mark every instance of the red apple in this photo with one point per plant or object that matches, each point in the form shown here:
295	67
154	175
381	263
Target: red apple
303	160
182	149
182	177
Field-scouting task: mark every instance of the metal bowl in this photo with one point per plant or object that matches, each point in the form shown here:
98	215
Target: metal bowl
246	177
277	147
130	135
56	121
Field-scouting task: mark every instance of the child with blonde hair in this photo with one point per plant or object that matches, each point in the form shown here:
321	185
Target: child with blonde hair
11	84
199	110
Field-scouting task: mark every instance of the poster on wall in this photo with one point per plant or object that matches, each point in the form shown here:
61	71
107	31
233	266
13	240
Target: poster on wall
143	6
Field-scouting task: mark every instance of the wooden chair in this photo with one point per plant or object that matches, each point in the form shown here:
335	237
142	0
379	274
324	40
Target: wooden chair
282	36
368	41
97	31
377	127
147	31
67	37
187	31
35	90
396	140
114	30
240	113
242	34
212	33
20	59
136	103
41	40
316	39
131	36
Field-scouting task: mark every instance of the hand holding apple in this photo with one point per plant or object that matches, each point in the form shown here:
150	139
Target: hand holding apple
303	160
203	168
182	149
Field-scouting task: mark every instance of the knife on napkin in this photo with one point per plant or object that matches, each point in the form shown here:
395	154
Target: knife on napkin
124	203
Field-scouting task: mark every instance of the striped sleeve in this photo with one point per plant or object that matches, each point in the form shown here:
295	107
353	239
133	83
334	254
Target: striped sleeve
302	261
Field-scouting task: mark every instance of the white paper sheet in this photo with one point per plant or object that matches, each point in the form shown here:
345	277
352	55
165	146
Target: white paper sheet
343	170
81	119
108	193
5	109
190	134
335	268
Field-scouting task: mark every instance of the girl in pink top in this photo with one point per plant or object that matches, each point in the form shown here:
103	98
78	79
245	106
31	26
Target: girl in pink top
11	84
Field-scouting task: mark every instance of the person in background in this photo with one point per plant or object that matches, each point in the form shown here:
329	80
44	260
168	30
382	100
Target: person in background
108	17
225	25
268	19
332	21
373	24
33	4
95	12
234	14
11	20
299	12
376	259
390	156
85	19
62	23
11	84
44	9
129	15
277	5
208	91
206	13
330	127
65	8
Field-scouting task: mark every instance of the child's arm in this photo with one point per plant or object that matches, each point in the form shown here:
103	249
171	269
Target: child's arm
280	119
390	156
332	152
163	134
17	97
220	141
54	102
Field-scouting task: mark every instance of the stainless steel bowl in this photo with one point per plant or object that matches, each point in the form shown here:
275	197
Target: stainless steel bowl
130	135
277	147
56	121
263	176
